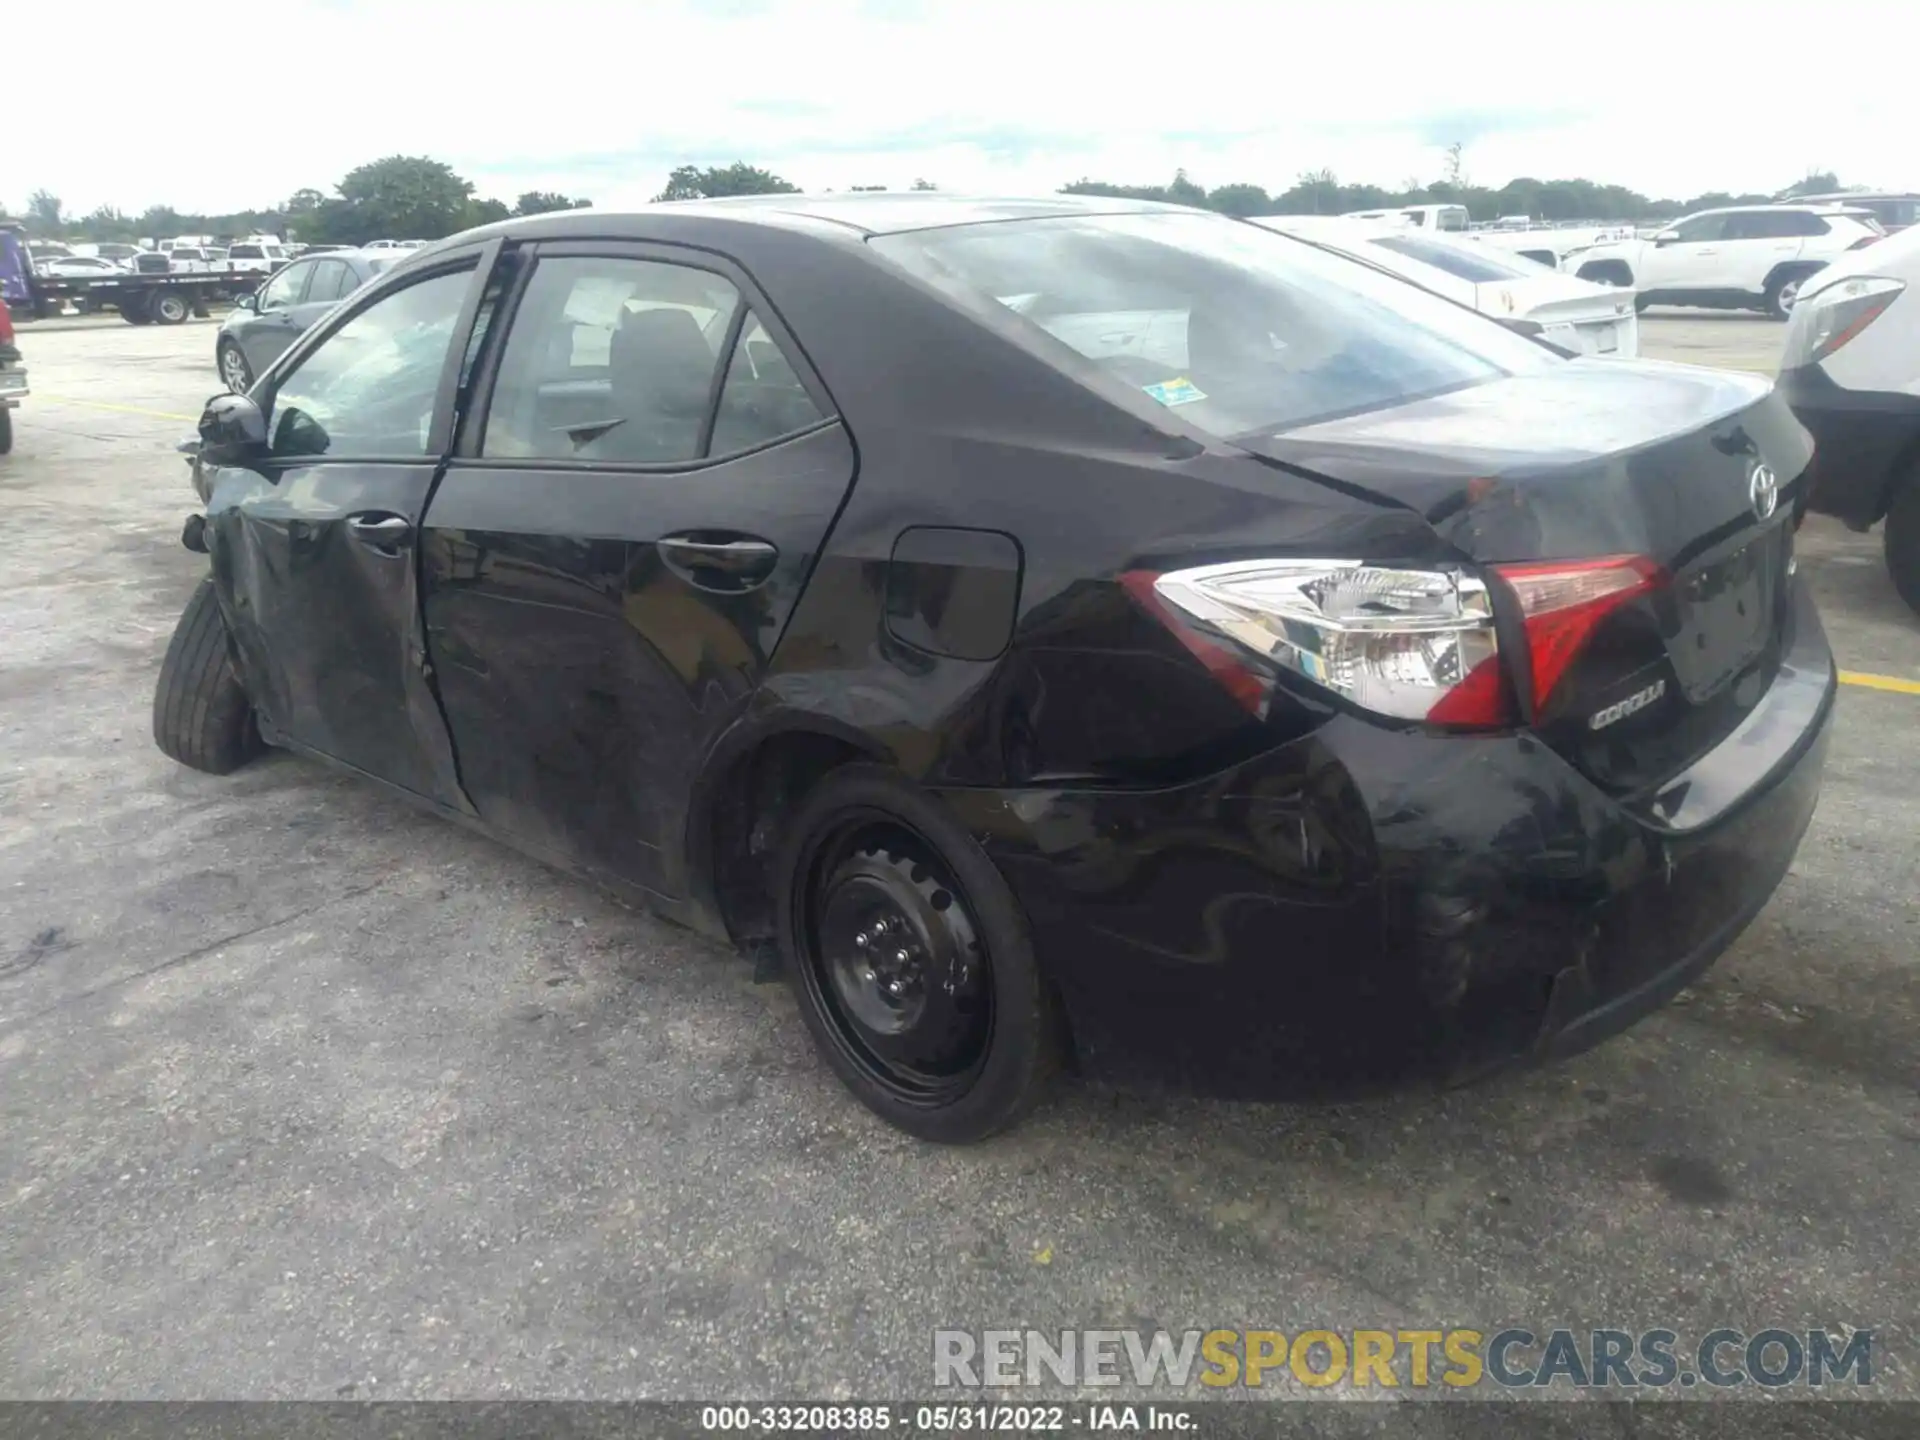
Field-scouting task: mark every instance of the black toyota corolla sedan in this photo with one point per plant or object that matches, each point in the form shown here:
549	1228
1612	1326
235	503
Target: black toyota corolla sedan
1054	630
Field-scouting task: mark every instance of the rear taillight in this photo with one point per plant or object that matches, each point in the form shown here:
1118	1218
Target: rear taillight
1836	315
1562	603
1404	642
6	324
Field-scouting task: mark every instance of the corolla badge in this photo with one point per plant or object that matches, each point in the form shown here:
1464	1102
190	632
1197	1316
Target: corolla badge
1763	492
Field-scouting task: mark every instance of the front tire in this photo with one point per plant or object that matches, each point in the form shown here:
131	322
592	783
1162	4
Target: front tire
234	369
1782	294
911	960
201	716
1901	539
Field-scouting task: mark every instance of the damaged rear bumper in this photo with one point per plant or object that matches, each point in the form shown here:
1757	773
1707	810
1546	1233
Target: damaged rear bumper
1363	909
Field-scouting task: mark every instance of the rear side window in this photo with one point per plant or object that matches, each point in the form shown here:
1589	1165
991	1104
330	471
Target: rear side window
610	360
331	280
763	398
1238	329
1774	225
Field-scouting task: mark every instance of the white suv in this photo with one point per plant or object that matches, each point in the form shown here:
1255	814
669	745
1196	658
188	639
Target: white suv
1850	368
1748	257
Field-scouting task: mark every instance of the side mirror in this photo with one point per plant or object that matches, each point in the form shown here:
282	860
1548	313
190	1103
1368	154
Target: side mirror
248	301
1666	237
233	431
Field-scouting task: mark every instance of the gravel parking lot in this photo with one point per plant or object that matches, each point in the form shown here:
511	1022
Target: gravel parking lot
308	1095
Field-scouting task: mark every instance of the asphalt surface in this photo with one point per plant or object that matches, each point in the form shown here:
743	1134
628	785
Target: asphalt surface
303	1094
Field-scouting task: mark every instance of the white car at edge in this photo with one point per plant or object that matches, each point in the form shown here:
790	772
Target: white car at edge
1577	315
1740	257
1850	368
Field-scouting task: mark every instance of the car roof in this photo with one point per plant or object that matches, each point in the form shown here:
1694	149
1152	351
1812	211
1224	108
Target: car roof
862	213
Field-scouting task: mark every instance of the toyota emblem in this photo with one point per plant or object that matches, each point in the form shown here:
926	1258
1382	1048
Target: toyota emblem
1763	492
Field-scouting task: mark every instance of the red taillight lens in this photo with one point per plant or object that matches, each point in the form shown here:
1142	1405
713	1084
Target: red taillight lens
1563	603
6	324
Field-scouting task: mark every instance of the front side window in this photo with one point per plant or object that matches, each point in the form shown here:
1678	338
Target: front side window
368	389
1700	228
610	360
1241	329
285	289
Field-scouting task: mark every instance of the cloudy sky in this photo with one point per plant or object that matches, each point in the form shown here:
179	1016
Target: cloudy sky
601	98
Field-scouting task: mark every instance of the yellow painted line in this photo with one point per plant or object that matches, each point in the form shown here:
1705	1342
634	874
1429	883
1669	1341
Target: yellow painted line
117	409
1880	682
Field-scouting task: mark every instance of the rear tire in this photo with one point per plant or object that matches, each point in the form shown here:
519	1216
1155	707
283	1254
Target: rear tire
201	716
1901	539
6	429
170	309
956	1042
1782	294
134	311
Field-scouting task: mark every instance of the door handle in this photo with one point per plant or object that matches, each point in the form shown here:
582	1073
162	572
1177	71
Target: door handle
720	561
381	531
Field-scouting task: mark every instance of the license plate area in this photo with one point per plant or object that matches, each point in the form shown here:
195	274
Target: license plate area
1725	614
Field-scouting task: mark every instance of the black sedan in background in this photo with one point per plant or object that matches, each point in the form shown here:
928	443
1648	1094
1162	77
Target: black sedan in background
1067	630
265	323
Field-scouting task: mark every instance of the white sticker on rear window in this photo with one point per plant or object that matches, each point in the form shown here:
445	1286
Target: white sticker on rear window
1180	391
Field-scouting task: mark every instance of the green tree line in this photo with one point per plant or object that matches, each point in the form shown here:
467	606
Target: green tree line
1319	192
401	197
413	197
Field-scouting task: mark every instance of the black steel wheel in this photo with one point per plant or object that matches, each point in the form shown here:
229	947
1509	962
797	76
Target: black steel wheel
898	961
911	961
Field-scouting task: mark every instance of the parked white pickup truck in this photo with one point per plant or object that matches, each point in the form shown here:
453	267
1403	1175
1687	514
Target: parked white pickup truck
250	257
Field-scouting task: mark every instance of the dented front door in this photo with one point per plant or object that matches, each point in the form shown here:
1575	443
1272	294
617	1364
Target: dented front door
314	547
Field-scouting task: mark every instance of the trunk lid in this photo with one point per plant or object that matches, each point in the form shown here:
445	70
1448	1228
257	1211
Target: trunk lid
1575	314
1668	463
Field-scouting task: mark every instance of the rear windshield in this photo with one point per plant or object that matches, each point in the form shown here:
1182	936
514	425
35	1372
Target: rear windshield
1243	330
1469	260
